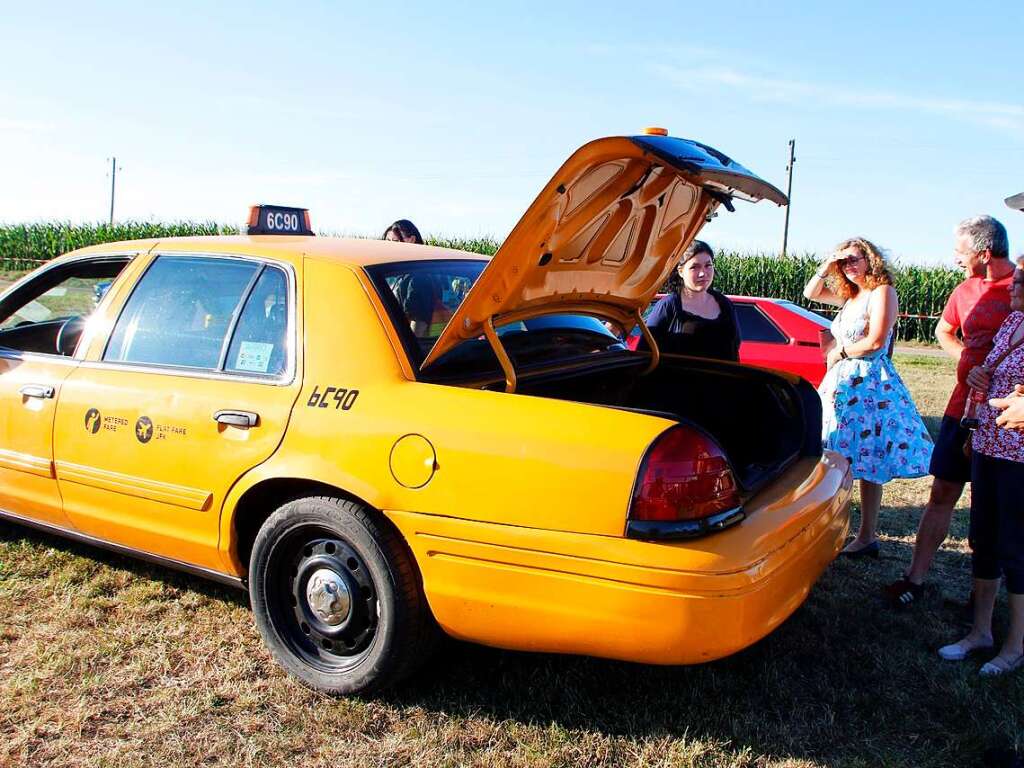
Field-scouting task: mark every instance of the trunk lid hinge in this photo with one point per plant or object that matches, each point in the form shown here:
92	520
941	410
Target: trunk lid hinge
651	343
501	354
510	372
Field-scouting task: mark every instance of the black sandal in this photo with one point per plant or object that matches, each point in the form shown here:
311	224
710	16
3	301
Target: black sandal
903	593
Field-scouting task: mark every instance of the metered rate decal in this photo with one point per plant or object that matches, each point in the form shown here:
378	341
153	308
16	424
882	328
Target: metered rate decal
144	429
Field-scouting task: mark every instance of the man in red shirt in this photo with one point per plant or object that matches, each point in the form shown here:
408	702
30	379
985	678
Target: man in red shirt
973	314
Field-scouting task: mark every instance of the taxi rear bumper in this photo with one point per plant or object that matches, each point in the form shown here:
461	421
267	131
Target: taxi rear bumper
653	602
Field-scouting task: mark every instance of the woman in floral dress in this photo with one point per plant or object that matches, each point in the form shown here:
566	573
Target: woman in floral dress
868	415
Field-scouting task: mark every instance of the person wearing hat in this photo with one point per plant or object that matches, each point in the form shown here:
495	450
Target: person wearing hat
1012	406
997	475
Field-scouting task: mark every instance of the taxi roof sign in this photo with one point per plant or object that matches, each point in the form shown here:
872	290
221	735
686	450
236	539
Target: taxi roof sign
278	220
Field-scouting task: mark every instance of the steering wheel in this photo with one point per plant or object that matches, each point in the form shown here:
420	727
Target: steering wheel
69	334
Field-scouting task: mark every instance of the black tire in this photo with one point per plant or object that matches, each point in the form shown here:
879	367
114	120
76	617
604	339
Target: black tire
316	555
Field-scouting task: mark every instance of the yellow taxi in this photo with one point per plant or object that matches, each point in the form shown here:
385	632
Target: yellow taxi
381	441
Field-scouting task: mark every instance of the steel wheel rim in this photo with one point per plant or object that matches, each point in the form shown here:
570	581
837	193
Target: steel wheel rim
310	632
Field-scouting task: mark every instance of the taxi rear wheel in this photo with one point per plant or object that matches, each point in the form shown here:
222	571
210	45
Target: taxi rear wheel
337	596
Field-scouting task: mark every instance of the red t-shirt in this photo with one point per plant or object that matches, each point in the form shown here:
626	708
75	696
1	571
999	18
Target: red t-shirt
977	307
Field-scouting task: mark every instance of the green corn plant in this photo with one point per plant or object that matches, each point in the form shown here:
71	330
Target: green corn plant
26	246
922	290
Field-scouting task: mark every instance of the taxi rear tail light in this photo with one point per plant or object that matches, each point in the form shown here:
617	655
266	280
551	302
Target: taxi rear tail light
685	488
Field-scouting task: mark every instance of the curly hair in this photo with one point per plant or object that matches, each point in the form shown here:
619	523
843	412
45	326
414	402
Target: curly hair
878	271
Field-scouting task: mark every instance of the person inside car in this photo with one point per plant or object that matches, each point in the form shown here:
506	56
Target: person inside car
415	293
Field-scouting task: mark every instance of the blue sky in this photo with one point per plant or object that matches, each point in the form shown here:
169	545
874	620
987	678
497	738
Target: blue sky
907	117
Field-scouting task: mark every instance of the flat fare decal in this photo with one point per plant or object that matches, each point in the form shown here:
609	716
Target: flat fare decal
144	428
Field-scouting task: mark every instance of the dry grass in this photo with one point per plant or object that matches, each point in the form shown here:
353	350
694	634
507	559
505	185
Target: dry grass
108	662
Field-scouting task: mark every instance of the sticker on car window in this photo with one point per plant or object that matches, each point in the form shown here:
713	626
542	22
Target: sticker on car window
34	312
254	356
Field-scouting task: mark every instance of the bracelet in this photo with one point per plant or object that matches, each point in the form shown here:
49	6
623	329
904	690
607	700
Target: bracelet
842	353
822	276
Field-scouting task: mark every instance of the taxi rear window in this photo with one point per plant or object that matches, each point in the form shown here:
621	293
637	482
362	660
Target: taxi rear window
216	314
422	296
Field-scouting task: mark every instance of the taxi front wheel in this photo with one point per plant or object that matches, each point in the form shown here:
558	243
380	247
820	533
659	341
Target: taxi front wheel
337	596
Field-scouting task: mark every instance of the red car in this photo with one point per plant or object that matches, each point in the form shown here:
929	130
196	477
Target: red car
778	334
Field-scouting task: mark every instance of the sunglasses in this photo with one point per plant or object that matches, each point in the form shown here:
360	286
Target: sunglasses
850	260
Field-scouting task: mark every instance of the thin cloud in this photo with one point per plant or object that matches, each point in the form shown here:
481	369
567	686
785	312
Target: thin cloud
8	125
619	50
1005	116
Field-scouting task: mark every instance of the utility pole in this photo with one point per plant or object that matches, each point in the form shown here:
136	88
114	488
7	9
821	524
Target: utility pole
789	193
114	178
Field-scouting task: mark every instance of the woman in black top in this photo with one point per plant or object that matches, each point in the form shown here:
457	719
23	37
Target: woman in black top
696	320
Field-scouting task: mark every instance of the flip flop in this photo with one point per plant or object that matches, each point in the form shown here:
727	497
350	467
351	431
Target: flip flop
998	667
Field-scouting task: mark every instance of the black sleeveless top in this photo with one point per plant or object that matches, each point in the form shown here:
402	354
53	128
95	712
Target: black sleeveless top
684	333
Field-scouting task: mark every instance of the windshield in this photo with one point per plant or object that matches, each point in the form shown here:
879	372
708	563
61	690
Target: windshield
74	297
804	313
422	296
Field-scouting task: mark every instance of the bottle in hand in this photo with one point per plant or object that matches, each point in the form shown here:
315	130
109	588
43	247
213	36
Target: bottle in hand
970	419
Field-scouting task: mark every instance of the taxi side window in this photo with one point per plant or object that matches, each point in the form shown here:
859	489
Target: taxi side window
181	312
47	313
259	345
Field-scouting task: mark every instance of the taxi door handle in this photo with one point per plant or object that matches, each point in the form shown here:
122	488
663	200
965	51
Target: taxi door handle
244	419
41	391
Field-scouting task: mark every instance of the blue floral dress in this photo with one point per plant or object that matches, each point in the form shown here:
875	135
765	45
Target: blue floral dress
868	415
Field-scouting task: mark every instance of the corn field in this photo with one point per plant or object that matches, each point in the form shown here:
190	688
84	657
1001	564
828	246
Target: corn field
922	290
26	246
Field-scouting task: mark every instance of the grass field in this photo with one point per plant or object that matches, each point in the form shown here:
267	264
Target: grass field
105	661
